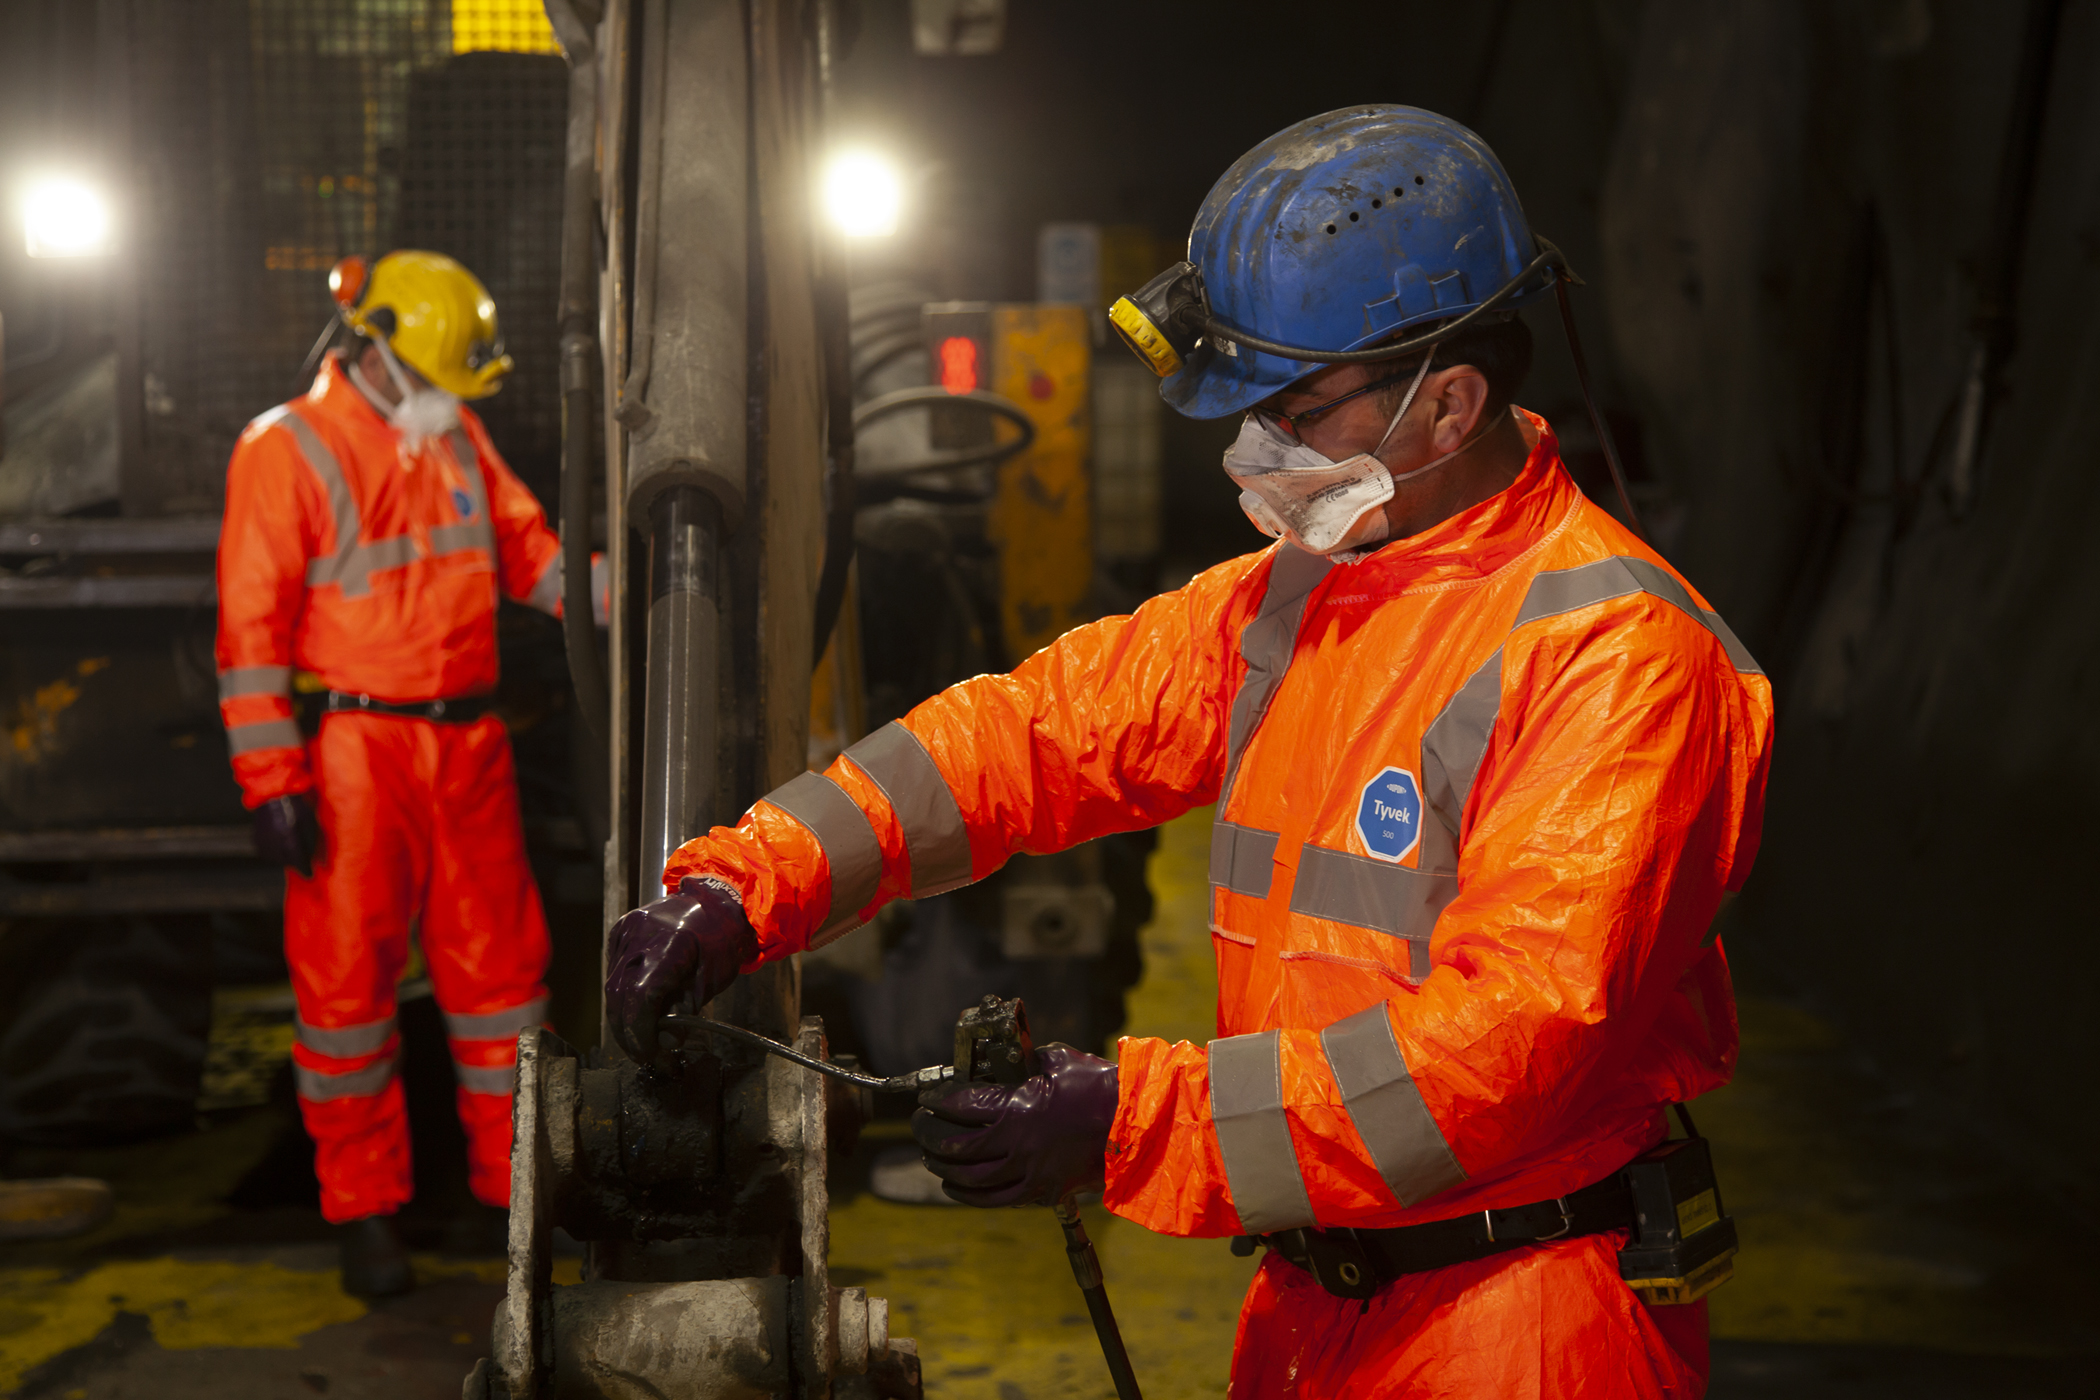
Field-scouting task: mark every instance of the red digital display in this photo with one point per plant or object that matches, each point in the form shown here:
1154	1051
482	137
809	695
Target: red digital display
958	357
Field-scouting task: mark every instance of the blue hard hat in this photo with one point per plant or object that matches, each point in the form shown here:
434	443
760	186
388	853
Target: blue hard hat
1338	232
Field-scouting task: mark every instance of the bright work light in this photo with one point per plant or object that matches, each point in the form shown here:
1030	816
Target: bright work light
66	218
863	194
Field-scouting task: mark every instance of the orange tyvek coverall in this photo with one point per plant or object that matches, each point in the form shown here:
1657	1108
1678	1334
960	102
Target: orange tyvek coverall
378	571
1478	798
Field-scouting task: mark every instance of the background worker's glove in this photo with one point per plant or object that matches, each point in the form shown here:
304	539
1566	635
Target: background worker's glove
690	943
288	831
1032	1143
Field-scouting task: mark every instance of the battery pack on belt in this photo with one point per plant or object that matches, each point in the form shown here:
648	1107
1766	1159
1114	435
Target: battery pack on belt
1681	1245
464	710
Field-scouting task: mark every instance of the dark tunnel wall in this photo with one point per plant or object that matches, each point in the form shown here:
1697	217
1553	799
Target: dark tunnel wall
1796	191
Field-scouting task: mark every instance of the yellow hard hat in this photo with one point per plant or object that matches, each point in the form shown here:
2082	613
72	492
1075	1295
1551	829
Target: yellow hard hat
435	314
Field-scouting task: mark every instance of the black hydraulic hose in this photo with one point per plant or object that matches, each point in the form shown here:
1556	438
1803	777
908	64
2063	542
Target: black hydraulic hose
1086	1267
1548	257
578	310
922	395
1589	401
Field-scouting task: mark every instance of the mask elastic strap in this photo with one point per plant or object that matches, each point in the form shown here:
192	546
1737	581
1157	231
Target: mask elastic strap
1482	431
393	368
1406	403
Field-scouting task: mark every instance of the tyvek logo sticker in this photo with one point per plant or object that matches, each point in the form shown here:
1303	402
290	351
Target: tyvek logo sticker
463	503
1389	818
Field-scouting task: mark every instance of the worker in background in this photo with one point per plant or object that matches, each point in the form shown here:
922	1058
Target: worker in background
370	528
1484	766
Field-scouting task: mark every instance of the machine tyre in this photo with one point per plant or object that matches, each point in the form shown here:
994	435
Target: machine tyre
109	1045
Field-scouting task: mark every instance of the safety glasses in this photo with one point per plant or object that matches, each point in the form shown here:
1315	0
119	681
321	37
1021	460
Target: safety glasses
1289	423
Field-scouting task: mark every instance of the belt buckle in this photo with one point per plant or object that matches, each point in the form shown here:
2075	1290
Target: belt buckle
1567	1223
437	709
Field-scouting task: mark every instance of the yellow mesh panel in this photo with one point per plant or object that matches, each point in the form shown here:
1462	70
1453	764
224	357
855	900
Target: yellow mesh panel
502	26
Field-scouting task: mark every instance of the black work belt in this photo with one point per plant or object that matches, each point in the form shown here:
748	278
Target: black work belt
465	710
1357	1263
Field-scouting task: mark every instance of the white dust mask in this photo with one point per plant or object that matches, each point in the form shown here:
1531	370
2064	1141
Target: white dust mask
1295	492
424	411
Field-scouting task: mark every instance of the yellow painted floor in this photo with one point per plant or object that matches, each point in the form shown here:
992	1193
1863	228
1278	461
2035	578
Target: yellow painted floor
1882	1256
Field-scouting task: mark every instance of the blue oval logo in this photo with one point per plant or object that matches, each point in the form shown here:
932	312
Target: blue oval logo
463	503
1389	816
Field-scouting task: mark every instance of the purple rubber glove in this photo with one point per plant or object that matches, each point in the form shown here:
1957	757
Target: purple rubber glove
288	831
1032	1143
690	943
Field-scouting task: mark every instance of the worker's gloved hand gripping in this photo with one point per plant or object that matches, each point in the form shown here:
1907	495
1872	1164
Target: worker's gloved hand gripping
690	943
1032	1143
288	831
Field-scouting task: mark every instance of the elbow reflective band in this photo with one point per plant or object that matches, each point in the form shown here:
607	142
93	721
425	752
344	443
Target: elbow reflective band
896	762
1254	1137
263	734
1402	1137
546	592
238	681
850	848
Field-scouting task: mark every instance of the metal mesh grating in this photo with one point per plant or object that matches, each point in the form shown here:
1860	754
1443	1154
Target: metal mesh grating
272	137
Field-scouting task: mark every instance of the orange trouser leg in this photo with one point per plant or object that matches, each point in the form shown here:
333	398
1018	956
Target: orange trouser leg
1535	1324
484	936
346	938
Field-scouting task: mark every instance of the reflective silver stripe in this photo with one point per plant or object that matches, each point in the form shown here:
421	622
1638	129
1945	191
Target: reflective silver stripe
354	569
1242	858
478	532
1374	894
263	734
1452	748
895	761
237	681
849	843
486	1079
341	503
353	563
317	1087
496	1025
345	1042
1405	1143
1456	740
546	593
468	534
1565	590
1254	1138
1267	644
